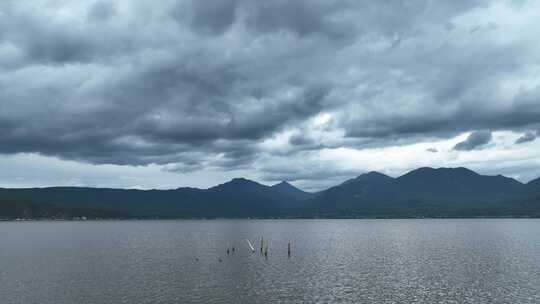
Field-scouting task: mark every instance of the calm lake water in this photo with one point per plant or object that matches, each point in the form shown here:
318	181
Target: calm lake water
333	261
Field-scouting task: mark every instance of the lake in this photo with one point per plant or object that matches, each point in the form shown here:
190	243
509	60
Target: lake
332	261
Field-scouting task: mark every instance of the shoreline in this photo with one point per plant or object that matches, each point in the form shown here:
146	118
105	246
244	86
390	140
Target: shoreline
260	218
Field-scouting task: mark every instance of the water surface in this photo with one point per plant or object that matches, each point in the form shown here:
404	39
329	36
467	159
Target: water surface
333	261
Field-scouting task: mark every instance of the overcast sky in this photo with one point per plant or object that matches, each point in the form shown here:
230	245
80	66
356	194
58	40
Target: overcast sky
161	94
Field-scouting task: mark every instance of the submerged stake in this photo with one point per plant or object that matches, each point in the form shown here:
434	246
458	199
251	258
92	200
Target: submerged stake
250	246
289	249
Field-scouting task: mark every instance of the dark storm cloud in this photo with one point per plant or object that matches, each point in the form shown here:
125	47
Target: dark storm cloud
42	39
195	84
474	141
462	97
526	137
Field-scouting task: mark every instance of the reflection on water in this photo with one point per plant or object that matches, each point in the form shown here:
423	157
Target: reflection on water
341	261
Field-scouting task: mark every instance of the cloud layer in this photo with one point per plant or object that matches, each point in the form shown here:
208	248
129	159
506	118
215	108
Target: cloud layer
263	86
475	140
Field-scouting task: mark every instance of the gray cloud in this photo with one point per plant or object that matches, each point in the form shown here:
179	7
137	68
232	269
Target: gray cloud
474	141
101	11
196	84
208	17
300	140
526	137
432	150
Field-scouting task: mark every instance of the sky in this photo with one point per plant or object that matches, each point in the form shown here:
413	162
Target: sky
163	94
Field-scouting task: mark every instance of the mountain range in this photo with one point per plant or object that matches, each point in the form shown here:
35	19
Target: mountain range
424	192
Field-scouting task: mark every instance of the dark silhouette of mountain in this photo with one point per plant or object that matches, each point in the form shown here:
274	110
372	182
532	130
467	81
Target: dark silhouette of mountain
370	177
361	193
424	192
239	184
239	197
287	190
452	184
243	197
421	192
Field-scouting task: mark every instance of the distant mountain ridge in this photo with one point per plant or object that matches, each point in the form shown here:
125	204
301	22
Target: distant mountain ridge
424	192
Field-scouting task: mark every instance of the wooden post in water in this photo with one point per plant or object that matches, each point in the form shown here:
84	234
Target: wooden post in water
250	246
266	251
289	249
262	244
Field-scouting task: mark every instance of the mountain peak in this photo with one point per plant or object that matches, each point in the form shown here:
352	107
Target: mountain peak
376	174
442	170
372	176
288	192
463	170
239	182
285	186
